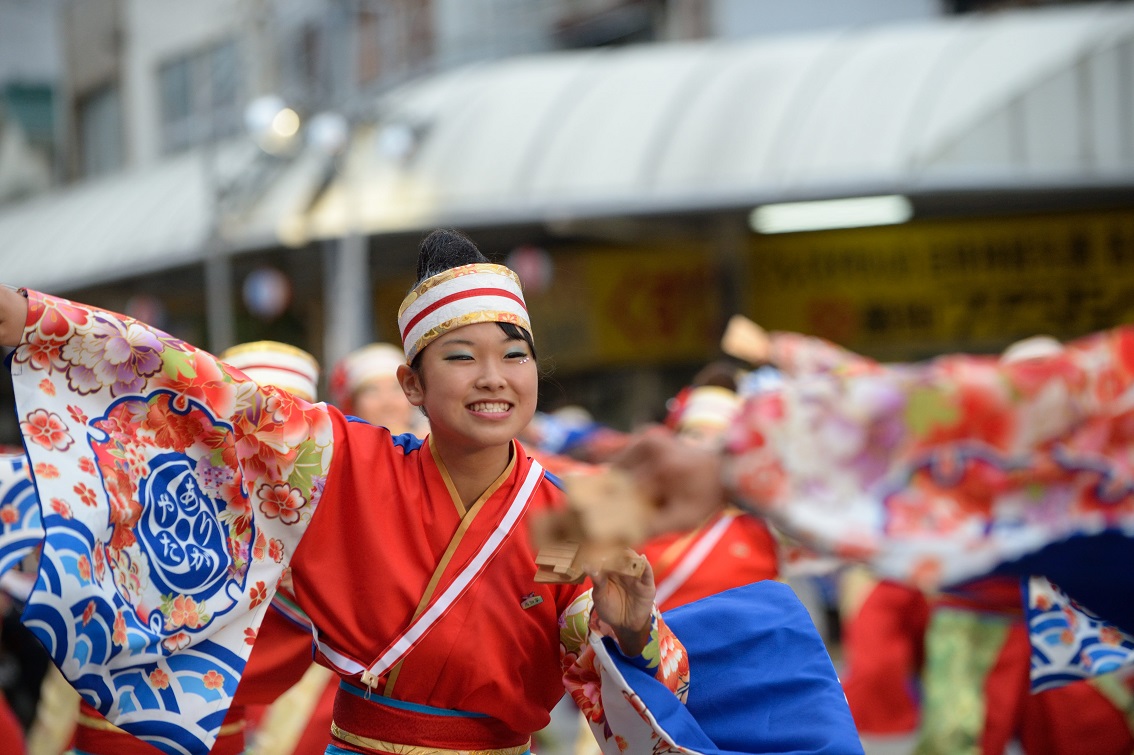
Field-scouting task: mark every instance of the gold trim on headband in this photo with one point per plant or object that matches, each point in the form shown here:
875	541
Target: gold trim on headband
400	749
450	274
470	319
260	347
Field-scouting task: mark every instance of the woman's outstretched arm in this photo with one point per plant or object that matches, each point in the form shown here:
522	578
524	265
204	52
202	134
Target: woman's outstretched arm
13	316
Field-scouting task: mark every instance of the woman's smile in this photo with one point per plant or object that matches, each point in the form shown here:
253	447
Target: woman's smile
491	409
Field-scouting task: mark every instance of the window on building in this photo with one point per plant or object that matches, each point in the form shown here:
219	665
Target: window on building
395	37
369	46
99	125
976	6
200	96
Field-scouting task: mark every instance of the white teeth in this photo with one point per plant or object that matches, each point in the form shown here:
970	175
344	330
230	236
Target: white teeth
490	407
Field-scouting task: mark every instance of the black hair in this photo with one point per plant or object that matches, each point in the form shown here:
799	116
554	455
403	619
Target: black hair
444	249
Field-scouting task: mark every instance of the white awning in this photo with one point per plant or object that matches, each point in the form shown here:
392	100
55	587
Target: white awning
107	229
1021	99
151	219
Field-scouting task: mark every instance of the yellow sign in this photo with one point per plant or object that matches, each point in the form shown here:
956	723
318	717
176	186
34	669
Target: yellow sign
919	289
628	305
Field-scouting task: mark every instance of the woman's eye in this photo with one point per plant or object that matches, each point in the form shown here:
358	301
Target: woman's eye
516	355
456	357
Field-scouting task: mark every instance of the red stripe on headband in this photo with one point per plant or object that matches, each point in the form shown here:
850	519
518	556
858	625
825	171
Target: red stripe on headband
457	297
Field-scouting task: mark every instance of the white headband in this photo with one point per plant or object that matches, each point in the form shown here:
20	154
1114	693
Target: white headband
457	297
276	364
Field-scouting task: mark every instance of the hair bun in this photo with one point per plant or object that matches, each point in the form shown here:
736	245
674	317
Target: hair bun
444	249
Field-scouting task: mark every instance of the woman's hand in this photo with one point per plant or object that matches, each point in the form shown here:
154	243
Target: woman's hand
684	482
746	340
13	316
624	603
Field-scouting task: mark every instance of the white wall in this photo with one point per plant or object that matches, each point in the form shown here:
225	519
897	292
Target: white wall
30	48
469	30
742	18
156	32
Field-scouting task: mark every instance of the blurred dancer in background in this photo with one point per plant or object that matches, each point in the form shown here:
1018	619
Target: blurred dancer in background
365	384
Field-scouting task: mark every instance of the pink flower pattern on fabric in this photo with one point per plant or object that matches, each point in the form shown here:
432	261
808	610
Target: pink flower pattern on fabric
46	429
936	472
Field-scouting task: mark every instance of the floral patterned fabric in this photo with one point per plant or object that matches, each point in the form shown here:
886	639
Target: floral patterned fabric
938	472
173	493
20	527
582	653
1068	641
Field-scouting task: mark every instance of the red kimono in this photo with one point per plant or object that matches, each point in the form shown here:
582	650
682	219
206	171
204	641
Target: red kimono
729	550
176	491
391	517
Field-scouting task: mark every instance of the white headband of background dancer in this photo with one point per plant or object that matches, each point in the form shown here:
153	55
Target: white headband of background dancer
457	297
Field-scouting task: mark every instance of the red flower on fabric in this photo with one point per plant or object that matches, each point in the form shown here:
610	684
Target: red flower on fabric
40	353
281	501
86	494
61	508
762	480
249	636
258	548
276	550
47	387
60	317
185	613
208	385
46	429
258	594
120	630
159	679
84	565
1109	635
173	430
89	612
99	562
582	682
77	414
213	680
9	515
86	464
1043	603
259	457
46	471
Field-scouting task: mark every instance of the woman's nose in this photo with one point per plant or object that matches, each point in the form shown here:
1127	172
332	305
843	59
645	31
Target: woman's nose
490	378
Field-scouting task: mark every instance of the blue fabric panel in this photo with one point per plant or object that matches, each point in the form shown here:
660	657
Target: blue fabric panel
761	679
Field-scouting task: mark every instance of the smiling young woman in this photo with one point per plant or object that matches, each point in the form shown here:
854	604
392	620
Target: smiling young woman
416	568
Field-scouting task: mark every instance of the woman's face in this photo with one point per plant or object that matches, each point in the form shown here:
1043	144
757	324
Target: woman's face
477	385
380	401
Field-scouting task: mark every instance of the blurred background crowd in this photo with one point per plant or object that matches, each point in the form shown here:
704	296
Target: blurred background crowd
901	177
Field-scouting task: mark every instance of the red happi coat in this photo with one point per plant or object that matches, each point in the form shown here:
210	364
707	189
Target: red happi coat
390	517
139	439
744	552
